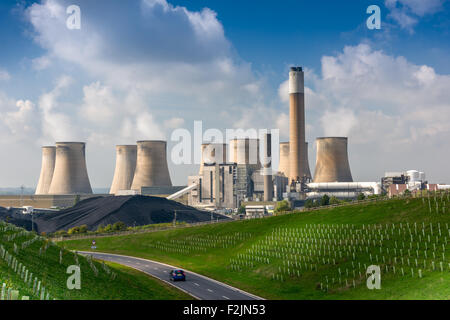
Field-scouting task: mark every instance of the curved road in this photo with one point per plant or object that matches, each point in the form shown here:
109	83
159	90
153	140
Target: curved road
196	285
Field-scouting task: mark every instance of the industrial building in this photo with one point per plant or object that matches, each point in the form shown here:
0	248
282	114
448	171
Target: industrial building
242	178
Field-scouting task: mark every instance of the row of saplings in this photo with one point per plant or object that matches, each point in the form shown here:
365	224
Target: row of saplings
83	229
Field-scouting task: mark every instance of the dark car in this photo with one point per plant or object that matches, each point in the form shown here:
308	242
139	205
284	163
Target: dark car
177	275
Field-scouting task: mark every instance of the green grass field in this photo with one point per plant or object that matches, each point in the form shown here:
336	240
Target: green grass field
48	263
321	254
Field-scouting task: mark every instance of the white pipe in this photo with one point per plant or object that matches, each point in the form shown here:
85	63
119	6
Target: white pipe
375	186
178	194
443	186
342	194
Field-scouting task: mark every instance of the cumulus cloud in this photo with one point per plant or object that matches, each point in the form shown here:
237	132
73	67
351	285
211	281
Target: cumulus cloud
386	105
151	64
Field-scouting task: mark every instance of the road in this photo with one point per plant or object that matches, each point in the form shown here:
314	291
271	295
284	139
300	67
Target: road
196	285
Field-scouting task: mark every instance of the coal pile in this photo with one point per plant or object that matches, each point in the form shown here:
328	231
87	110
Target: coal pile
131	210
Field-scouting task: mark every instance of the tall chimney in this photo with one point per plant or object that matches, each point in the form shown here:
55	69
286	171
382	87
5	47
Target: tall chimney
267	169
47	169
332	160
70	175
151	165
297	167
125	167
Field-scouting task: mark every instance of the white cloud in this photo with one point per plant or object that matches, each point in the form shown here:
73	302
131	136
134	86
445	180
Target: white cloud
387	106
407	12
41	63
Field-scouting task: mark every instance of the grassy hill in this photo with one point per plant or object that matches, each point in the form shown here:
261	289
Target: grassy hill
27	259
322	254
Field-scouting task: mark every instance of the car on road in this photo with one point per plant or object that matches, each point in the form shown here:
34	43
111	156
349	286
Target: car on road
177	275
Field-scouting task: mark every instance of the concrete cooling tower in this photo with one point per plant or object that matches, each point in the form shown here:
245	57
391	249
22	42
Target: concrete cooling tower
297	165
307	170
70	175
245	151
151	165
213	151
283	166
125	168
332	160
48	166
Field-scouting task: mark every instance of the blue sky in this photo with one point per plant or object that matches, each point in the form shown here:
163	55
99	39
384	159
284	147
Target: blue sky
140	69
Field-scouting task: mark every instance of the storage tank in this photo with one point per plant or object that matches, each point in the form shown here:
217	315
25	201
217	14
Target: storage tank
47	169
332	160
151	166
126	156
70	175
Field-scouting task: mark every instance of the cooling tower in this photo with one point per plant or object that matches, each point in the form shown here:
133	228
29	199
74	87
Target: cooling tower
215	151
267	170
283	166
70	175
125	167
48	166
307	170
332	160
297	166
151	165
245	151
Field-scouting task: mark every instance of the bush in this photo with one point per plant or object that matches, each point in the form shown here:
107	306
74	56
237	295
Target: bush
309	204
361	196
119	226
325	200
61	233
282	206
334	200
241	210
74	230
83	229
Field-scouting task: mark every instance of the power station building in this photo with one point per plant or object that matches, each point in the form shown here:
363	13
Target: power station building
227	182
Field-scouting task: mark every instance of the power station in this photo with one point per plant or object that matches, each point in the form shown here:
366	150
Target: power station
231	174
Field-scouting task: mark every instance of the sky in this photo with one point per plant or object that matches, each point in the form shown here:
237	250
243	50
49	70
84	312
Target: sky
140	69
